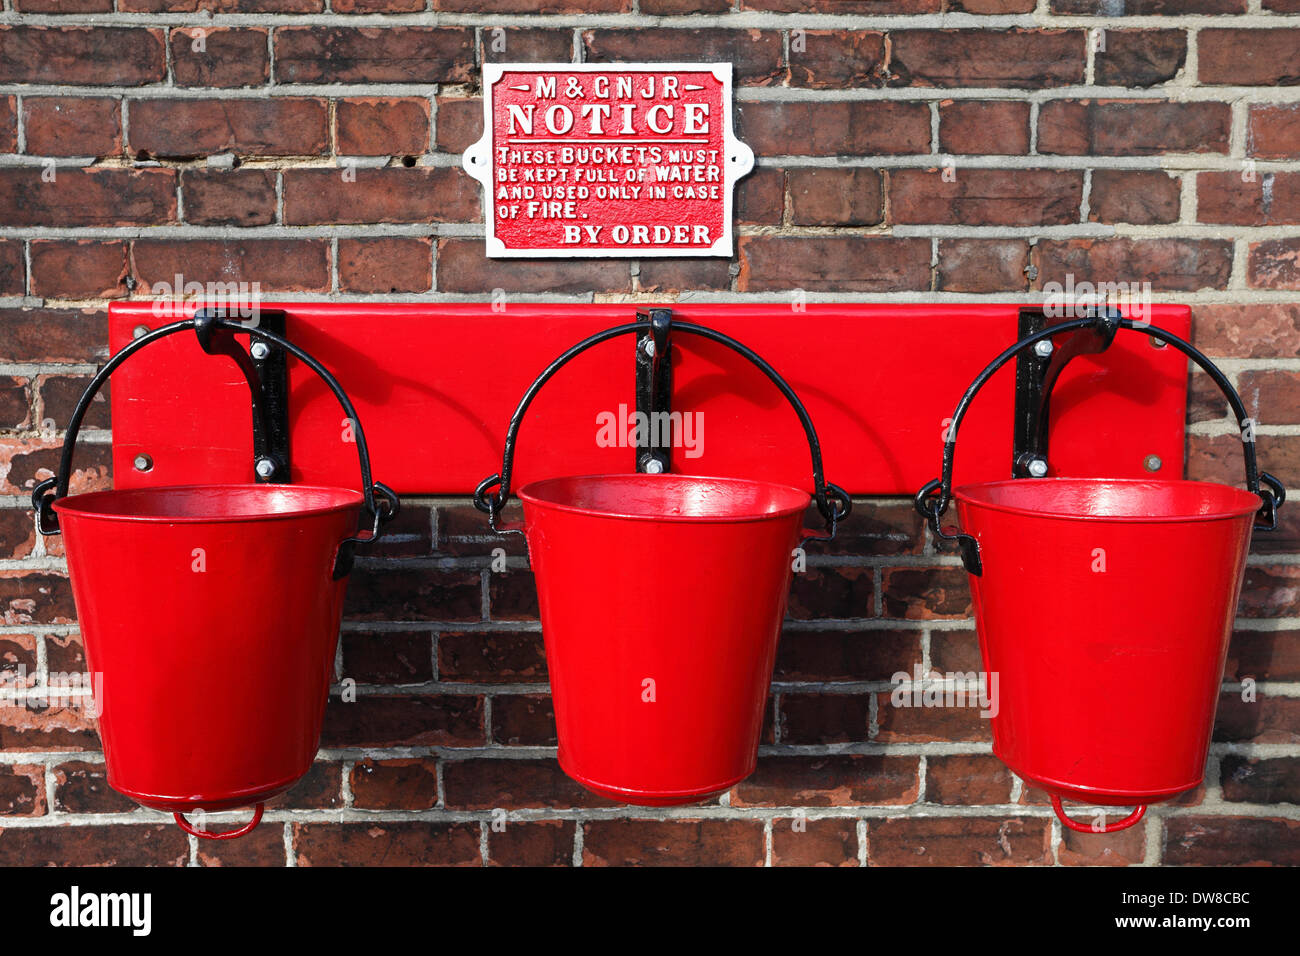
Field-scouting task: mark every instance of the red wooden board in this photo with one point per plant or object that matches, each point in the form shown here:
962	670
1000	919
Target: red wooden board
435	385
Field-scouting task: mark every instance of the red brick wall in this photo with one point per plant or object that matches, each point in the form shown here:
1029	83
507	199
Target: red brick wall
1123	163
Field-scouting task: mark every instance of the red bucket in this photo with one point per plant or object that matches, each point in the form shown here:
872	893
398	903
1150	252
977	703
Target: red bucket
210	616
662	598
1104	609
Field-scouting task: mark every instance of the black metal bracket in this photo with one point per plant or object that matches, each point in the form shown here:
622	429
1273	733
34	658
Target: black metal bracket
654	391
1037	371
265	367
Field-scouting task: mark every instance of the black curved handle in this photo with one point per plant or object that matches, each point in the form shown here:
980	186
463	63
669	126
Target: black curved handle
832	501
934	497
203	324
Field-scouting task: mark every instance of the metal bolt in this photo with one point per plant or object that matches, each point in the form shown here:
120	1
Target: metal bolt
1038	468
1043	348
648	347
139	331
143	463
652	465
1152	463
260	350
265	468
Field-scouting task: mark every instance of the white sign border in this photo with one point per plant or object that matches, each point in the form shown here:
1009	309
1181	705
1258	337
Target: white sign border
739	162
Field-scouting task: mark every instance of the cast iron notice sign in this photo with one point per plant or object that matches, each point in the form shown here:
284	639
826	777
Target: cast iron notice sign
632	159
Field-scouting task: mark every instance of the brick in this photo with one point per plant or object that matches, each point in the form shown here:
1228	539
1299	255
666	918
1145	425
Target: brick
1147	8
536	843
671	8
1230	841
511	657
516	45
409	783
296	265
760	198
1273	131
229	197
15	402
1282	6
1274	264
834	127
8	124
530	7
874	527
1127	848
1248	331
840	655
833	264
385	265
1141	196
462	530
410	534
1019	59
263	847
921	724
63	6
1132	127
221	6
835	197
46	729
17	540
222	57
405	54
982	265
1249	57
984	127
966	779
1218	458
846	7
413	843
673	843
523	720
271	126
1271	396
79	268
1140	57
1264	655
1260	779
691	275
1264	720
488	784
841	592
992	7
459	123
161	844
81	787
405	720
956	651
320	788
926	593
382	126
1173	265
81	55
1263	199
377	6
388	657
993	197
837	59
31	460
59	395
64	653
963	841
33	597
463	267
72	126
13	269
803	842
829	780
87	197
395	594
512	597
394	194
825	718
755	54
22	790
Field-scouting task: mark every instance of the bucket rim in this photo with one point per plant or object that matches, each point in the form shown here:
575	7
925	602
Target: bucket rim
89	499
528	495
1250	504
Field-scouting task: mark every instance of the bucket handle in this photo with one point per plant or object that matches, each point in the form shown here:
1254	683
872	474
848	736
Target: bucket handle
1139	811
832	501
381	502
246	829
934	497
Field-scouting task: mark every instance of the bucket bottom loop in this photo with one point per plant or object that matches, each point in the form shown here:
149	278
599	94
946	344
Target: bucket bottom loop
247	828
1128	821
